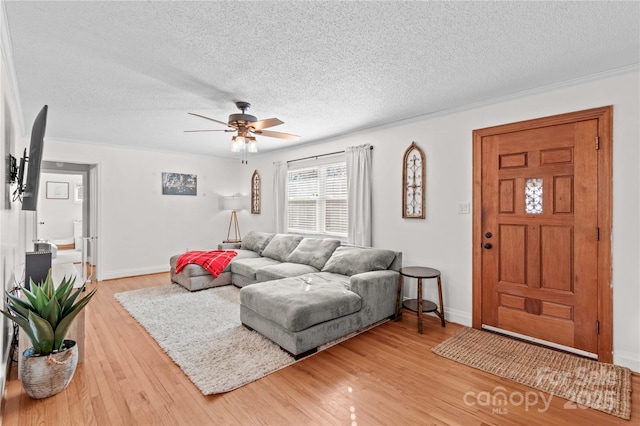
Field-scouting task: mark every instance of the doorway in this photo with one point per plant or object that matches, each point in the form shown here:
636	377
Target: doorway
72	226
542	231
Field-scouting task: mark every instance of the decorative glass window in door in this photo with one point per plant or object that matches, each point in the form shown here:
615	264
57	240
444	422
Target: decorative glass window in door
413	183
255	193
533	196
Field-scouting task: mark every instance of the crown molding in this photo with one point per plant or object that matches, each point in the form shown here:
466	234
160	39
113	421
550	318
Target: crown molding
480	104
529	92
7	58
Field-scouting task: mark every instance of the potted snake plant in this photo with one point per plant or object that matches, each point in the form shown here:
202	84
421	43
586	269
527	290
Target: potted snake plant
45	313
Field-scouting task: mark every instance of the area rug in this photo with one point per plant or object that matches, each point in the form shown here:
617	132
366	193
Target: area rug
201	331
604	387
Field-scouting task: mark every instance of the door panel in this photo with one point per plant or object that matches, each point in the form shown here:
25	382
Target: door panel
512	262
556	262
539	276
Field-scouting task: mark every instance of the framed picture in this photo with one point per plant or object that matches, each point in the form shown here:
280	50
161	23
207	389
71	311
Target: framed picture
413	183
179	184
255	193
58	190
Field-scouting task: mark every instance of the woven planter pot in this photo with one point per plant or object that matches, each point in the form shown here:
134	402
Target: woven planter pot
47	375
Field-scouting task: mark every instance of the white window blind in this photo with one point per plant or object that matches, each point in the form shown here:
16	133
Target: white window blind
317	199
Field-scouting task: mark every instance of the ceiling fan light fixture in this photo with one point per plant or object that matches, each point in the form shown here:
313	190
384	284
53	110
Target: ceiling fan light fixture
242	143
253	146
246	126
235	146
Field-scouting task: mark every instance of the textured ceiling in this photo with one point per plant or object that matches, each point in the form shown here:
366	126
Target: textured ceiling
127	73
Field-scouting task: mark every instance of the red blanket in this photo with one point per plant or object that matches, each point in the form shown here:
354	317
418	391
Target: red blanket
213	261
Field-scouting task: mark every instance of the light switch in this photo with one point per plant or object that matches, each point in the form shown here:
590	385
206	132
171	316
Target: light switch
464	208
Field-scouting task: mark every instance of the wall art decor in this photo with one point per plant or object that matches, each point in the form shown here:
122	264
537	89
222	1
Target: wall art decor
58	190
179	184
256	197
413	183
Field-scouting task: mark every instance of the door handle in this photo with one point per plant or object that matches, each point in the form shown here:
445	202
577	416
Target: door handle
487	245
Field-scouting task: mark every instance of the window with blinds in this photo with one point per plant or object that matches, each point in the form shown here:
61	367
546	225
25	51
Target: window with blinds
317	200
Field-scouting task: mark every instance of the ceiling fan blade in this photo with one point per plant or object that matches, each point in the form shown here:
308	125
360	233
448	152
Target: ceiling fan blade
211	119
263	124
278	135
218	130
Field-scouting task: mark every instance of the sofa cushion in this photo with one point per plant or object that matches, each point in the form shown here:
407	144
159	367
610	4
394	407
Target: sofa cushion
330	276
298	303
256	241
313	251
283	270
245	254
281	246
248	267
355	260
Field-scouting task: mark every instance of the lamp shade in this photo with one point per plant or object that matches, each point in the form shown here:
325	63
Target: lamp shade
234	145
241	142
232	203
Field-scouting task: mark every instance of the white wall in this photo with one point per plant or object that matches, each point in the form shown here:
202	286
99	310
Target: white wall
11	248
443	240
138	227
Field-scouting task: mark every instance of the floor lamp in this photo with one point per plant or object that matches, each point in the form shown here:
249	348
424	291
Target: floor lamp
234	204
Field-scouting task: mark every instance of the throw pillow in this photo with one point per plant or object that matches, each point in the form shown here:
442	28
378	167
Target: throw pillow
355	260
281	246
256	241
314	252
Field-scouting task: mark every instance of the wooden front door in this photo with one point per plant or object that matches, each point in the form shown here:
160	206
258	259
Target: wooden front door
539	225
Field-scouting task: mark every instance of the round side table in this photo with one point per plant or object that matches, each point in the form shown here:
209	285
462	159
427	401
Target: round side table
418	305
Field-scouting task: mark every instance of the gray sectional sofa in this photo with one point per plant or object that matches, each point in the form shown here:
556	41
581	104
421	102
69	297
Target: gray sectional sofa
304	292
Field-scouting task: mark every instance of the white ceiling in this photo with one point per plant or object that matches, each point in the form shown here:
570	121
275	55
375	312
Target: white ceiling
127	73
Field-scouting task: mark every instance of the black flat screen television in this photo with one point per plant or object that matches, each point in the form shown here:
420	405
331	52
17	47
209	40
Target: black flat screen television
34	161
20	177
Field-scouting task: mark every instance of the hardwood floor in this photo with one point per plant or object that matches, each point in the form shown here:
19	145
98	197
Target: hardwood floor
386	376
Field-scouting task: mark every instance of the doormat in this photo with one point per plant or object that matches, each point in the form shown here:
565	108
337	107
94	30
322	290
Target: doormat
603	387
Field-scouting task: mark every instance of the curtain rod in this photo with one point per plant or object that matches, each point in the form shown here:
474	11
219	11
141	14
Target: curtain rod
319	155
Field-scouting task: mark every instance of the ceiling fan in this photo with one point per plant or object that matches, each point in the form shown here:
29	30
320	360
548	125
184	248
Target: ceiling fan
246	126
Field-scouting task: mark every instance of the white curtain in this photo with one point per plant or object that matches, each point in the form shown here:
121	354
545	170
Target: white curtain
280	196
359	194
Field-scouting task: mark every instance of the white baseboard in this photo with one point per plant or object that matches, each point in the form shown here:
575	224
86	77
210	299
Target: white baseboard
452	315
627	359
457	316
132	272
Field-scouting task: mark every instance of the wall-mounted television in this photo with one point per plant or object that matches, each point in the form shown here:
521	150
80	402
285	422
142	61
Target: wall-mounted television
34	161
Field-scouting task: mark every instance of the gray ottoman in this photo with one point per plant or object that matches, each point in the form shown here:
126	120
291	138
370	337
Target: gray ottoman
301	313
195	277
